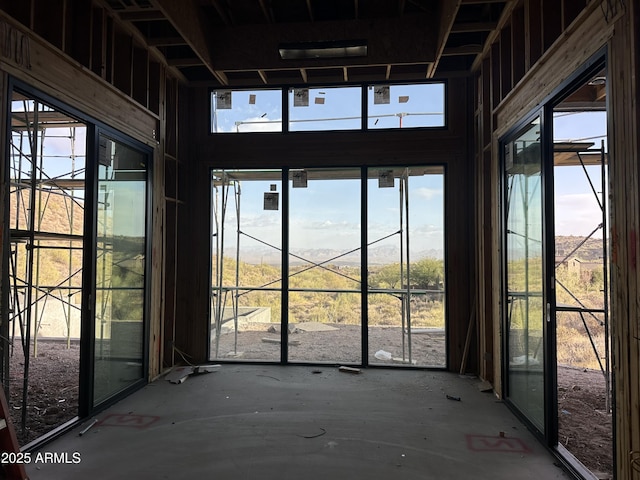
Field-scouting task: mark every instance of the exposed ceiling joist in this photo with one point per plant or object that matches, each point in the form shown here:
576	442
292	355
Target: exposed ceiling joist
221	76
257	45
504	18
188	22
448	12
238	41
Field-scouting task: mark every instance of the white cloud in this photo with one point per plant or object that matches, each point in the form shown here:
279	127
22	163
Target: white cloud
576	214
428	193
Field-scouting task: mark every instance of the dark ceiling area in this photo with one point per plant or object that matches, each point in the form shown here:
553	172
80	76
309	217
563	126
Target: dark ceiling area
238	42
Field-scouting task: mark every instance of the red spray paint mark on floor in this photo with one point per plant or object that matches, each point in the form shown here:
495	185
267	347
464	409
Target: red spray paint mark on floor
127	420
483	443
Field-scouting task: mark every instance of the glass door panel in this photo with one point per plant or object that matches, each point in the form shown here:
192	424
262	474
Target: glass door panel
325	265
46	185
525	308
583	349
246	290
120	269
406	301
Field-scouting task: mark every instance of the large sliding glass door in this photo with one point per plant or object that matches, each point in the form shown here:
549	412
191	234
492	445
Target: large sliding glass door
557	350
120	263
76	263
525	292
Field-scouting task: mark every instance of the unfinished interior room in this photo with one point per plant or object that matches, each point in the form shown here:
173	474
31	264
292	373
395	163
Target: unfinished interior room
320	239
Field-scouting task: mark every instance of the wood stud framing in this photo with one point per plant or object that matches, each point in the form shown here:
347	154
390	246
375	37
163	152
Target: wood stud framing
127	92
548	41
624	123
538	44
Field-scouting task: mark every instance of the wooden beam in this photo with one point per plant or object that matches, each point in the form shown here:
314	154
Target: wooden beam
388	73
95	98
506	78
518	44
263	76
303	74
247	47
186	18
310	10
345	74
623	62
448	12
221	76
504	18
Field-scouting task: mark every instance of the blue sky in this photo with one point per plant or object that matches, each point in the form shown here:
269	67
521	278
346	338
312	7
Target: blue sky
326	214
576	208
327	207
261	110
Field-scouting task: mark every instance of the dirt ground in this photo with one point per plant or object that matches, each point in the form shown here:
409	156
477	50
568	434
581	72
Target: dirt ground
53	389
340	345
585	427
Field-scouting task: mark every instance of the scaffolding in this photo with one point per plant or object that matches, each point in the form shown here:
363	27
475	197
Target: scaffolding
581	154
47	181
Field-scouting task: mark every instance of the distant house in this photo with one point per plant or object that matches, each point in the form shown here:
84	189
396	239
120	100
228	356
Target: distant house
576	265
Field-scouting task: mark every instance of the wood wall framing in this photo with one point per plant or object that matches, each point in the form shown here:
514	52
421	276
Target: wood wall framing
624	125
85	55
81	57
558	38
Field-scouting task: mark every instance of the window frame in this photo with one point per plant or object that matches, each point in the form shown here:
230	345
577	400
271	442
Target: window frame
364	91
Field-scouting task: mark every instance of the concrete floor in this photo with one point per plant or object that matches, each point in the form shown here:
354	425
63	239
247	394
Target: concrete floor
298	422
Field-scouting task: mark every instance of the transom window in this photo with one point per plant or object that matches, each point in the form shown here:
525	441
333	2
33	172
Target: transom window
329	108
